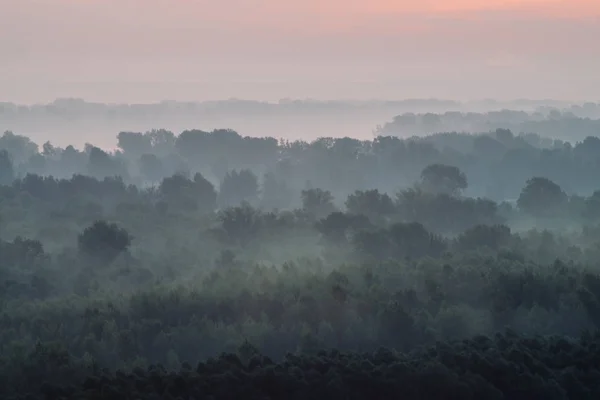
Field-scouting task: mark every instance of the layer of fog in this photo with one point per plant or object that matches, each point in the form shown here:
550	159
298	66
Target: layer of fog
76	122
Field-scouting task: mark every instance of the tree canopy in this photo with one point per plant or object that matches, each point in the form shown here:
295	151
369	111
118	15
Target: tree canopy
213	264
542	198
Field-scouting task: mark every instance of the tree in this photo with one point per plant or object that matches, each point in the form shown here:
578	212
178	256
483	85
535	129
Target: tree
7	172
401	240
542	198
226	259
486	147
23	253
592	206
371	203
441	178
504	136
162	141
178	191
479	236
205	192
21	148
101	164
240	224
193	144
588	151
276	194
414	241
431	121
73	161
373	243
337	225
37	164
37	186
49	151
151	167
238	187
187	194
104	241
317	202
134	143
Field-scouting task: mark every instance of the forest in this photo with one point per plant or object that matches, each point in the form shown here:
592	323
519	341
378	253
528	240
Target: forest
211	265
73	121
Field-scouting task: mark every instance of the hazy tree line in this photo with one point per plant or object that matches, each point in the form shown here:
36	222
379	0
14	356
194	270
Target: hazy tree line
574	123
75	121
497	163
72	109
210	264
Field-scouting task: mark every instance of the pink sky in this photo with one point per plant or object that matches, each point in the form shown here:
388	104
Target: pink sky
310	48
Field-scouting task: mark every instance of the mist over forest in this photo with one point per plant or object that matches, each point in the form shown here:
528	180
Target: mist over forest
75	121
301	249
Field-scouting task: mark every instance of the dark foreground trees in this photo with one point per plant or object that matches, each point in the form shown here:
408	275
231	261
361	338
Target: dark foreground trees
505	366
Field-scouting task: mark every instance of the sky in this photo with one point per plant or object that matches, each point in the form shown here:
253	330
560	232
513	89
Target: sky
152	50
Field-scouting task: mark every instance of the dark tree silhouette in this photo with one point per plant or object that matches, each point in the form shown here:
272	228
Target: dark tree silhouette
240	224
185	194
337	226
134	143
591	209
151	167
238	187
104	240
276	194
414	241
440	178
480	236
371	203
7	172
317	202
101	164
542	198
205	193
